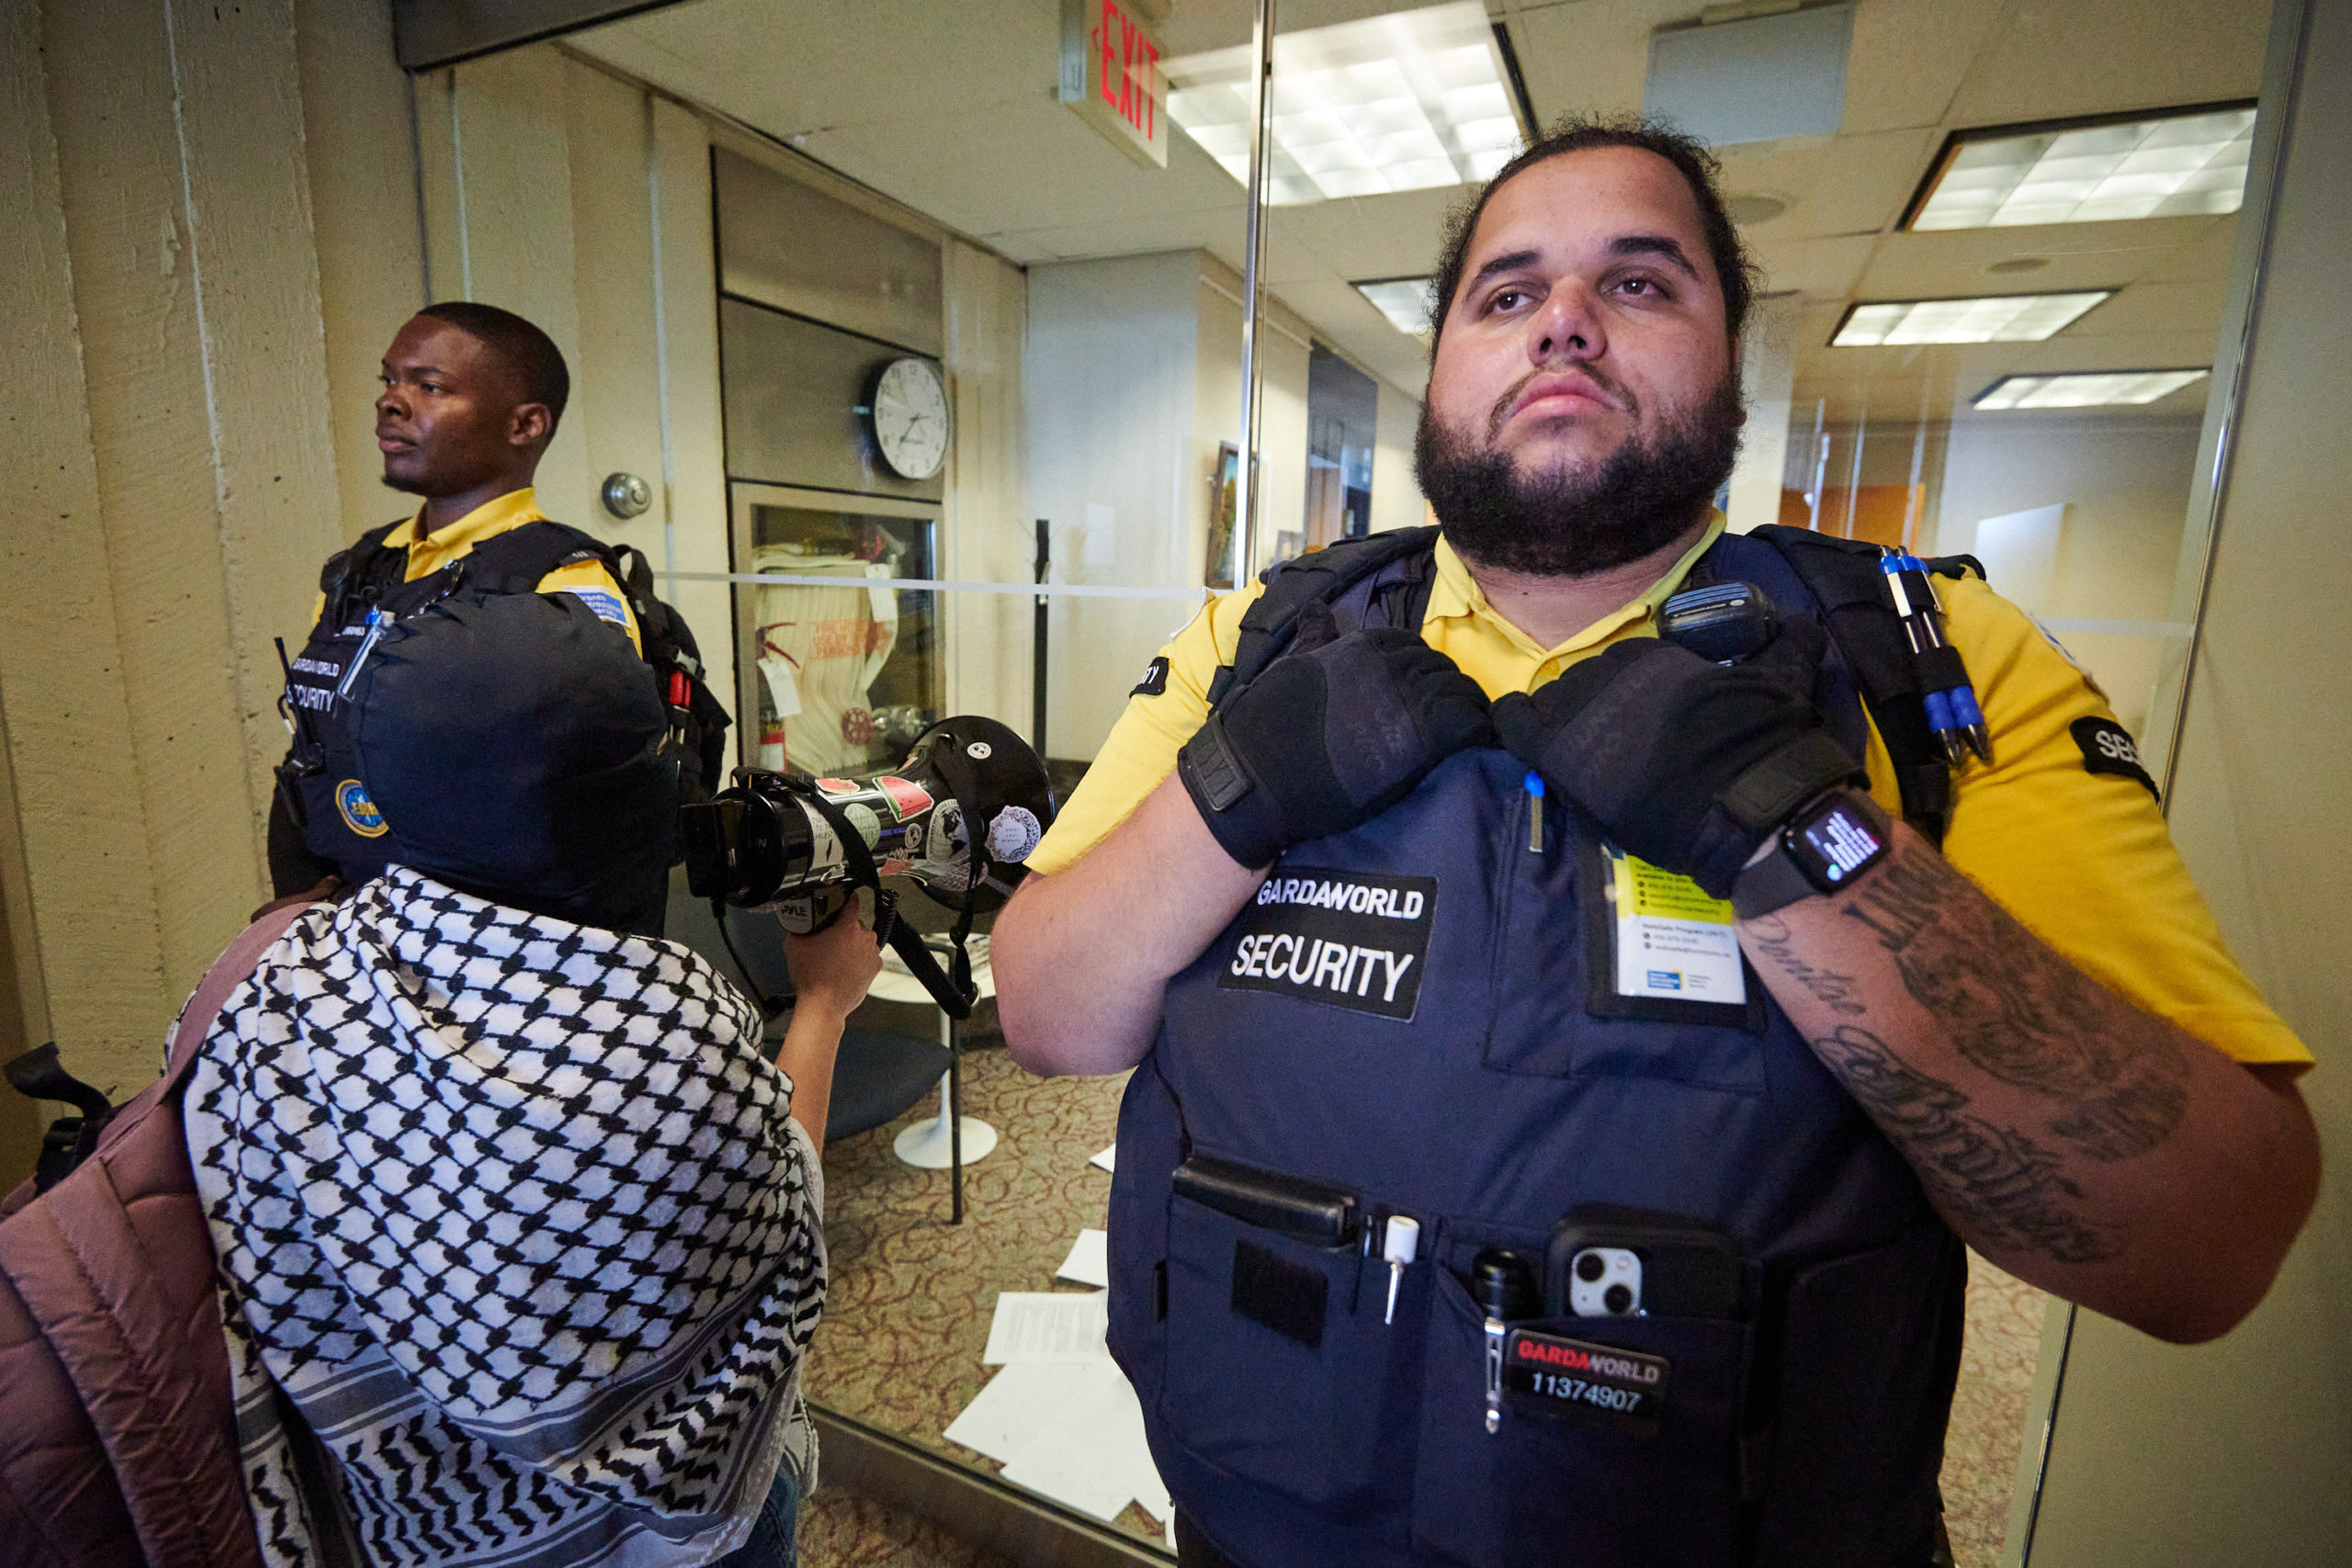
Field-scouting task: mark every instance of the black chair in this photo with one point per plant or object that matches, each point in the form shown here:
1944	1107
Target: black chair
880	1072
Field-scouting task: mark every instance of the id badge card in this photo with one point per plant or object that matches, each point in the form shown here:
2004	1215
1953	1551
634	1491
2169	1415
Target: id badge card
1661	949
1553	1375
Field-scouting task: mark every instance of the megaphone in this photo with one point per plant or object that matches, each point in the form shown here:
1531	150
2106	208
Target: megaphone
957	817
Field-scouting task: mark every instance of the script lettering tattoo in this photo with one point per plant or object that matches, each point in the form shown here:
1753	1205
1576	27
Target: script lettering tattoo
1993	1181
2022	1013
1770	936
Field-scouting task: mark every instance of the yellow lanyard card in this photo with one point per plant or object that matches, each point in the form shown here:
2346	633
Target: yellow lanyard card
1674	943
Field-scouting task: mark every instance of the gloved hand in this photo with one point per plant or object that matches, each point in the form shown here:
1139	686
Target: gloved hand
1326	738
1688	764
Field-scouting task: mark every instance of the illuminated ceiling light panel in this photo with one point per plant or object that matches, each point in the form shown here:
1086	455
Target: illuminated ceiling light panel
2167	167
2085	389
2000	318
1402	102
1404	301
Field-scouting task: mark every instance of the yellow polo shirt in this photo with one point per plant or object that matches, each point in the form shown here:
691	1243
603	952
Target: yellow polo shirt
2083	860
586	581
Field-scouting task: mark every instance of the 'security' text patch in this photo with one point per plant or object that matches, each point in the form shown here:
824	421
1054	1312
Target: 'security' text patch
1346	939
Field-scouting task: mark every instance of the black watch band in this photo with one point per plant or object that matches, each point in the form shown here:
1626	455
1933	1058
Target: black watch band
1824	847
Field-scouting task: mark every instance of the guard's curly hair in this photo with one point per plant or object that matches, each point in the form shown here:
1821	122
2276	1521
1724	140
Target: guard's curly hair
1579	133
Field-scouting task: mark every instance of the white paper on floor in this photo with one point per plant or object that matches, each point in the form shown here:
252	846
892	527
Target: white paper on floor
1063	1421
1107	1159
1089	1262
1086	1453
1050	1326
1019	1401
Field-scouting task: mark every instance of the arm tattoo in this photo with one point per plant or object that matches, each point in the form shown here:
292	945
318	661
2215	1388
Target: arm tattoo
1993	1181
2023	1014
1770	933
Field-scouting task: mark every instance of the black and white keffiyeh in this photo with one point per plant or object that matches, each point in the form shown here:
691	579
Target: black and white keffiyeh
511	1209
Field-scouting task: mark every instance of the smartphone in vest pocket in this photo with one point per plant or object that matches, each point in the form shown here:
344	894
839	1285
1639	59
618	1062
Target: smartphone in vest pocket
1605	1261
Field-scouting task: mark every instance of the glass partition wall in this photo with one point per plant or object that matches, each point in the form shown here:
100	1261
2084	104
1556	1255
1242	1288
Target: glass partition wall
989	281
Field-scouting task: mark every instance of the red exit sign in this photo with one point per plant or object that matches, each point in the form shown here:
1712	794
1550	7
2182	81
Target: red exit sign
1111	78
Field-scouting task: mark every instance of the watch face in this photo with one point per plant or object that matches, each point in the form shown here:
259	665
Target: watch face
909	418
1836	844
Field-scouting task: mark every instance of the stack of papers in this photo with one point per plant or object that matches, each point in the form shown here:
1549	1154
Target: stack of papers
1061	1417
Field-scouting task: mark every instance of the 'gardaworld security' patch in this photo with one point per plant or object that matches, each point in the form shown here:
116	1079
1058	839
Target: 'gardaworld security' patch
1345	939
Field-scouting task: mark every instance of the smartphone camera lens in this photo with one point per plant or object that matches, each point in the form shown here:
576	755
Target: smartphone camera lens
1618	1299
1591	1268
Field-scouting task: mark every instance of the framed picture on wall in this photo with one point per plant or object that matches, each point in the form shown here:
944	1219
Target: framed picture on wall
1224	496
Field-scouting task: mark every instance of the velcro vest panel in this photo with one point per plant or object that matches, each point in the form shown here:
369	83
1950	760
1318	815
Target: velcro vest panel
1414	1011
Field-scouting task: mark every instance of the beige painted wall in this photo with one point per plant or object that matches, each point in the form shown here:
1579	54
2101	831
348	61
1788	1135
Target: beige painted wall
990	534
2240	1453
1397	501
169	449
582	200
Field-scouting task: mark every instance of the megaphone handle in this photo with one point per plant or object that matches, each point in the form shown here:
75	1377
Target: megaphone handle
906	943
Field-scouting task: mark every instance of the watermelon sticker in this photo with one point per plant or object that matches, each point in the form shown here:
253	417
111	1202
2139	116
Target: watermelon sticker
906	800
838	787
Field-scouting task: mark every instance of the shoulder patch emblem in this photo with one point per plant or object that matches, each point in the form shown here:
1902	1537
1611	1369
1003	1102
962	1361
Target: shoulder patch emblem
1155	679
2107	748
606	607
359	813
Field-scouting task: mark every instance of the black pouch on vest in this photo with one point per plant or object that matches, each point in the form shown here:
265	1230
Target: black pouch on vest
1869	1348
1275	1340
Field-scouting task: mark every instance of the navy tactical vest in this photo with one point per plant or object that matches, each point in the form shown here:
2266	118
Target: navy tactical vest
320	775
1419	1012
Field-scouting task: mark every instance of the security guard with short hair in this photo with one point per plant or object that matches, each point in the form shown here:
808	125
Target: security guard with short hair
1561	1087
471	398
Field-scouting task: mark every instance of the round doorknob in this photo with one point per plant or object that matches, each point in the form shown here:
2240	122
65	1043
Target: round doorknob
627	496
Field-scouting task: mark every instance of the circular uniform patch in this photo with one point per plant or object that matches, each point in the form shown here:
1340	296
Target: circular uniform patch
359	813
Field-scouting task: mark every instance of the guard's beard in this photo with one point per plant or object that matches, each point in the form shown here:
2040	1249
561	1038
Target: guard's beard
1574	521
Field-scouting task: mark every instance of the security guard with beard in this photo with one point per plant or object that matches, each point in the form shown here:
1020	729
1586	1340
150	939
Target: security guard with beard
1426	862
471	398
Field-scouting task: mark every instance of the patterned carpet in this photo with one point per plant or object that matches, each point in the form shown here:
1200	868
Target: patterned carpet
911	1298
850	1532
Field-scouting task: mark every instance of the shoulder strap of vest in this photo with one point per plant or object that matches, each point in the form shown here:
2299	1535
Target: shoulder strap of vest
514	561
1323	577
364	561
1845	578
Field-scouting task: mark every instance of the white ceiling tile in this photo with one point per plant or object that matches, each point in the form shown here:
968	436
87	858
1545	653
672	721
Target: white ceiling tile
1842	185
1909	59
2088	57
1814	266
2189	309
1593	58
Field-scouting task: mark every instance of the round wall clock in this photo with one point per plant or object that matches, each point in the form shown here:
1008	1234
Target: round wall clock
908	414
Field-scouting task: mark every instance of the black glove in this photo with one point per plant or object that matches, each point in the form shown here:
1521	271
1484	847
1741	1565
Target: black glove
1686	763
1326	738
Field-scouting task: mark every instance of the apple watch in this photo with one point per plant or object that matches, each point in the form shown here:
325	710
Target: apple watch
1824	848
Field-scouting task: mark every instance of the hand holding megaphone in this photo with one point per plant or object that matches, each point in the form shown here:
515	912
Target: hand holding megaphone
801	847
